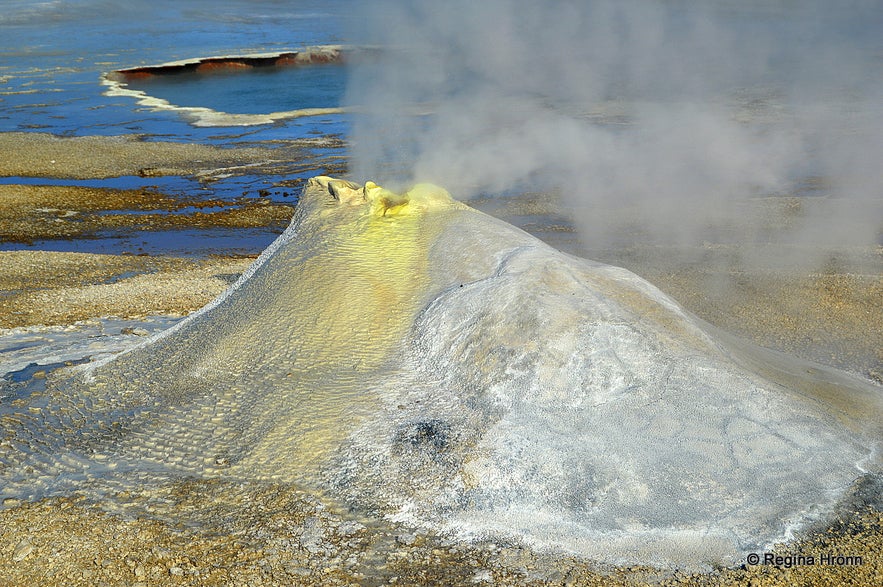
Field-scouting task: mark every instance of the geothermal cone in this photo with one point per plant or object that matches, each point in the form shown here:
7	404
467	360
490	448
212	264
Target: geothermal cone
423	361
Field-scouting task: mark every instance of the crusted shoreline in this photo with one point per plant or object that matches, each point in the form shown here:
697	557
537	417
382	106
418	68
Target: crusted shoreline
310	55
117	84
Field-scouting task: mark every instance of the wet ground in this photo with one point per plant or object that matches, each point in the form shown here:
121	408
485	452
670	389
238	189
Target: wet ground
133	196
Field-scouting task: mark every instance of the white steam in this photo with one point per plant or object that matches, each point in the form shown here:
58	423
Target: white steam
668	113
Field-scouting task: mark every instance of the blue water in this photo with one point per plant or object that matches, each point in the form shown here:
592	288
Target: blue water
53	54
195	242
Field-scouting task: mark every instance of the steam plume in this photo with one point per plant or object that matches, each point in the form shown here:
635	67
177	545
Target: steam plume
669	113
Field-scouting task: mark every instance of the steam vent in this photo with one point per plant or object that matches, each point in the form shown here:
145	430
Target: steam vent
419	360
